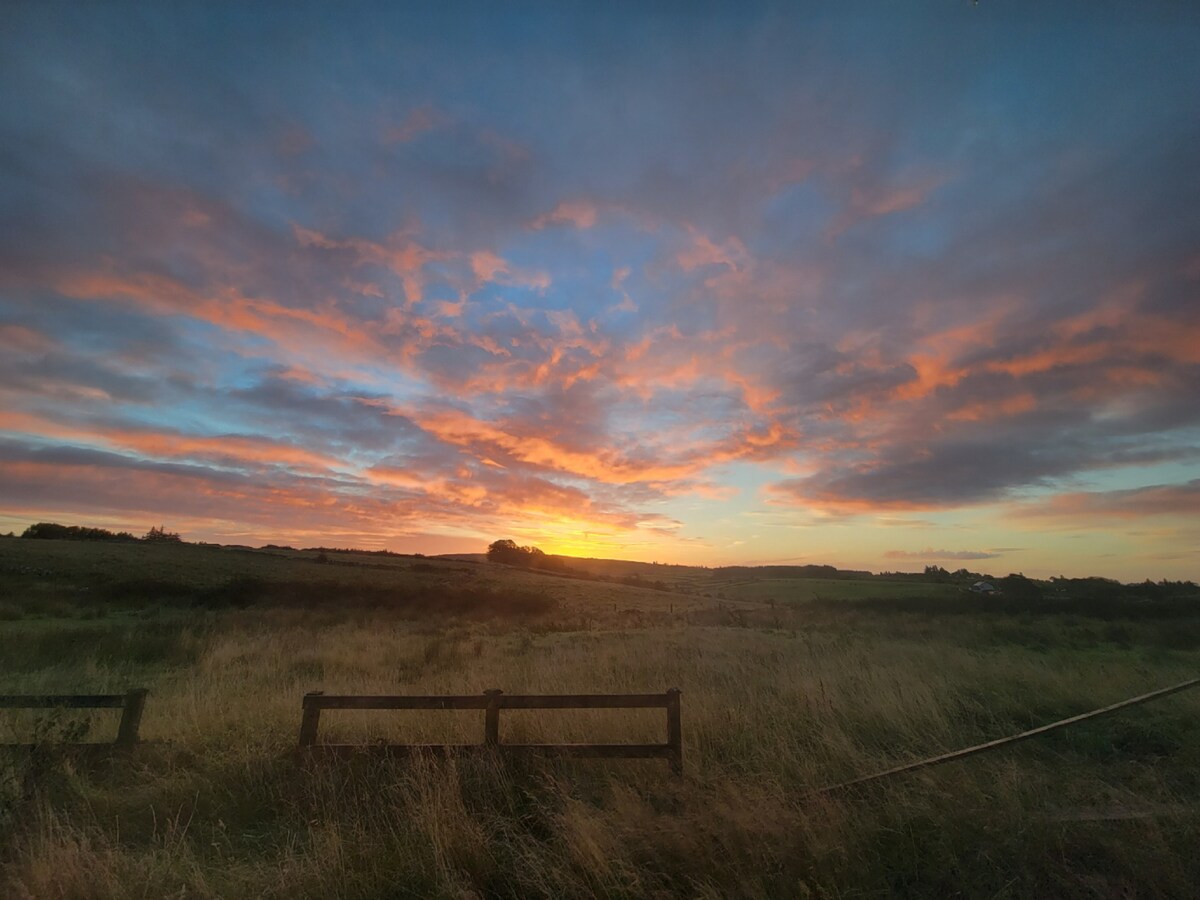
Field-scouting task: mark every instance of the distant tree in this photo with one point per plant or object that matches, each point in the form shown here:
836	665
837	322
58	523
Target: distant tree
161	535
45	531
1017	587
506	551
512	554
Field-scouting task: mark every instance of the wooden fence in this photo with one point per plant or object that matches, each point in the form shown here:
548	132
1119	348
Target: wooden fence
131	705
491	702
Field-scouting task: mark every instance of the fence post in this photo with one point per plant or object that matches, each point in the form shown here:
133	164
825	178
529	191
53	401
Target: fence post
312	717
491	722
674	731
131	717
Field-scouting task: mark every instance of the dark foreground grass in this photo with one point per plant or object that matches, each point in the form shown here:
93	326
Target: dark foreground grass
778	702
398	599
229	825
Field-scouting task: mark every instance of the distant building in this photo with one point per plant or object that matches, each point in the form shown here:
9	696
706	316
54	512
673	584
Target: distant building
984	587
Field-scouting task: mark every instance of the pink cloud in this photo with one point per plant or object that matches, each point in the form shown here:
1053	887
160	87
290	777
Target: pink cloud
1176	500
403	256
20	339
702	251
576	213
872	202
489	267
417	122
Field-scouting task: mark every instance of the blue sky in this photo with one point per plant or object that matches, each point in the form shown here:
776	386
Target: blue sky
866	285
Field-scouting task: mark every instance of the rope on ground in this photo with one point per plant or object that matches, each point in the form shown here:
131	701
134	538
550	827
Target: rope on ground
1005	741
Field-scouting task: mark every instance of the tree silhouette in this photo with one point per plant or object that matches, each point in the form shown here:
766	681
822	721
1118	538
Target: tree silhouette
512	554
160	534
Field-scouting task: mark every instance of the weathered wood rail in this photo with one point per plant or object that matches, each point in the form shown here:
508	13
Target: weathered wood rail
130	703
491	702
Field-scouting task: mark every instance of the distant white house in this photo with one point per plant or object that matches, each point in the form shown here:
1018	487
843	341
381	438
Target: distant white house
984	587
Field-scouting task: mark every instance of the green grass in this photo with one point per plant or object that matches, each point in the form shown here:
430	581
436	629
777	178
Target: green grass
834	680
803	590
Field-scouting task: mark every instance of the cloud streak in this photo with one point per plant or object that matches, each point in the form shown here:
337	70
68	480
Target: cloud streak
928	554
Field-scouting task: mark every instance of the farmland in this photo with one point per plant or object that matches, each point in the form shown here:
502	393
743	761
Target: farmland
789	685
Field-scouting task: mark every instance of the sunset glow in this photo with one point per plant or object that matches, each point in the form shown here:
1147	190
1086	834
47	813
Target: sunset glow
865	288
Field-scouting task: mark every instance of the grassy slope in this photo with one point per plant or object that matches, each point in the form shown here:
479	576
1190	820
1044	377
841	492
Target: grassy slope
778	699
801	590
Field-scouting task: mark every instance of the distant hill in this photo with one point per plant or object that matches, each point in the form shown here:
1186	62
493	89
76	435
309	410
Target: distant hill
655	576
730	573
462	557
613	568
620	568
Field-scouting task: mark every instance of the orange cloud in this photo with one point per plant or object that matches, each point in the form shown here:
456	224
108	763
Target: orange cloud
1051	358
404	257
993	410
316	508
312	337
607	466
165	444
936	362
1122	334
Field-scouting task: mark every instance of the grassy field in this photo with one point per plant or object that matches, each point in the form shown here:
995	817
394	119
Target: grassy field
802	590
788	686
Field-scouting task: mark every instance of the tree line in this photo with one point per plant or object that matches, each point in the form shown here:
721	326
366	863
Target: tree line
52	531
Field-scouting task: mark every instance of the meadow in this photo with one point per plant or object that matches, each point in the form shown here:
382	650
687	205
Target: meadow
788	686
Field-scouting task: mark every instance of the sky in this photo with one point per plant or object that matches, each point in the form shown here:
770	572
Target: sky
873	285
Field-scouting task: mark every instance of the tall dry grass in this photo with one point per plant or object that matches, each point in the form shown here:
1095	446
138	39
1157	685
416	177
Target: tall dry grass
770	714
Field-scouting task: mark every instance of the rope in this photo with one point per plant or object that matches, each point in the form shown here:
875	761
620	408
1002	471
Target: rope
1005	741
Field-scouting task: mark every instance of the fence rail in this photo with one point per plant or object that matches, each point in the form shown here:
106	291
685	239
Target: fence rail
131	705
492	702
